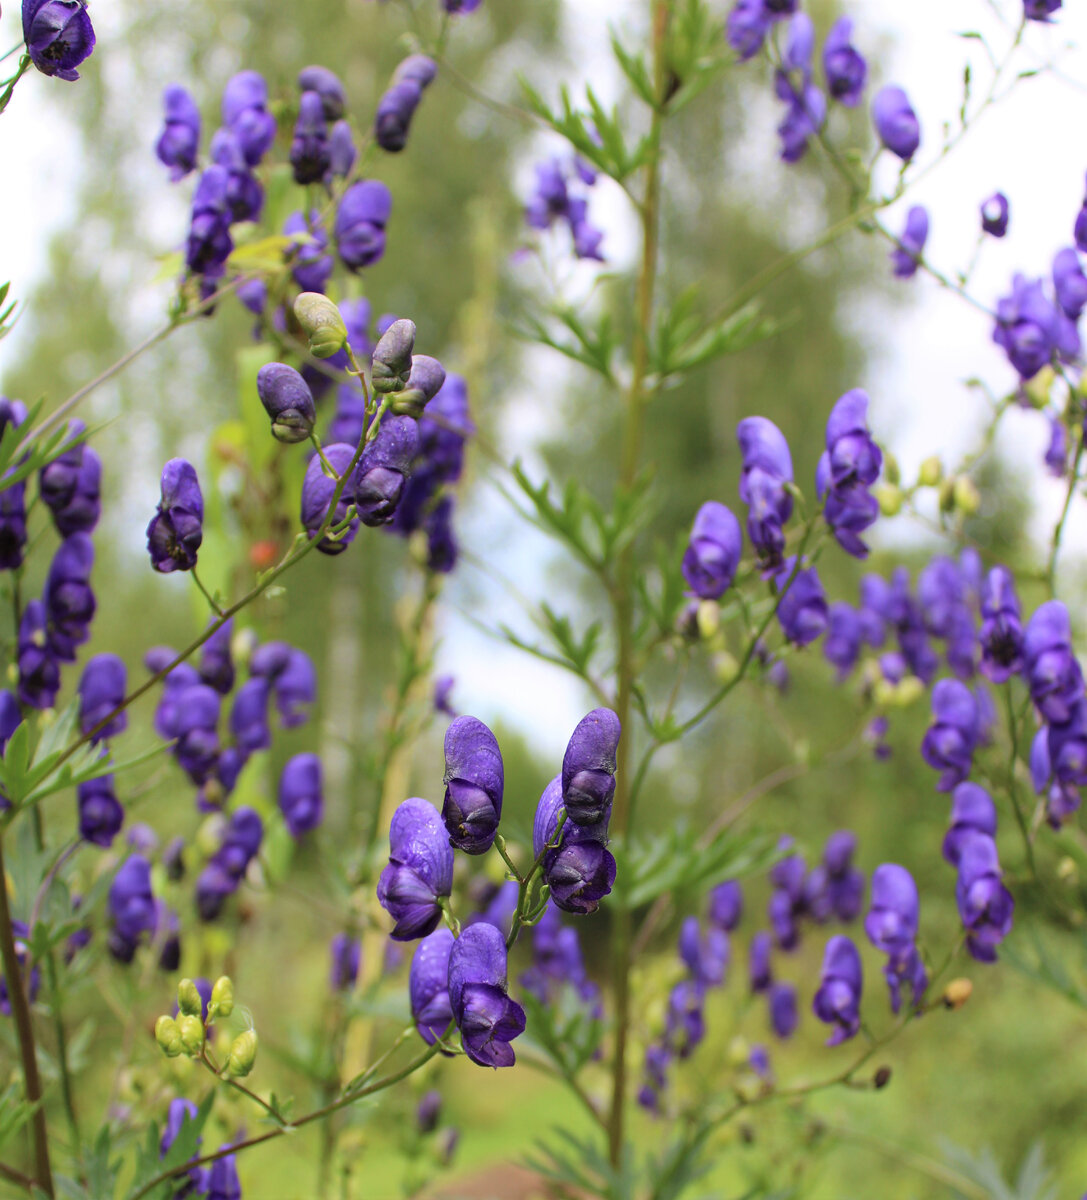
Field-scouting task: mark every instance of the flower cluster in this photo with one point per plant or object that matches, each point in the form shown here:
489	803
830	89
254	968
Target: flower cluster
554	201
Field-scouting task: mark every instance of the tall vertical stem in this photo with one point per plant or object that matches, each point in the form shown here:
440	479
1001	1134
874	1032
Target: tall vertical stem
623	591
24	1032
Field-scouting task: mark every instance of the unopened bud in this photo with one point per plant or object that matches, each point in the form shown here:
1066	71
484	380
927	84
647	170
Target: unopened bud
947	495
322	323
243	1054
889	498
424	382
288	401
884	693
168	1036
222	998
1038	388
957	993
392	357
1067	871
908	691
189	1001
930	472
725	667
709	618
192	1034
739	1052
891	472
966	495
881	1078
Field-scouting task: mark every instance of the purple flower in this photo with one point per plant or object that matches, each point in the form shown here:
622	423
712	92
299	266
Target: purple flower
498	910
58	35
39	670
1001	634
68	597
245	114
180	139
397	106
300	799
985	904
941	594
758	962
341	150
176	530
196	730
100	813
767	468
461	7
843	883
994	215
1056	455
896	123
843	65
837	1002
726	905
713	553
802	610
557	962
1067	746
131	907
310	154
22	952
346	954
486	1017
907	254
249	716
972	811
807	106
287	400
216	665
891	923
428	1111
292	676
1069	283
13	534
1030	329
317	493
441	554
949	743
101	691
580	871
783	1014
360	223
704	952
209	242
474	779
849	465
747	26
685	1022
588	767
383	468
244	192
842	646
311	263
1040	10
222	1179
327	85
1052	672
420	871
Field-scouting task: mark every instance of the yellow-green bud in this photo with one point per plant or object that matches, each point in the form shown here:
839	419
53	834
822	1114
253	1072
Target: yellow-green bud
222	998
889	498
1037	389
890	468
947	495
930	472
884	693
321	323
168	1036
739	1052
709	618
725	667
957	993
1067	871
967	497
192	1034
243	1053
908	691
188	999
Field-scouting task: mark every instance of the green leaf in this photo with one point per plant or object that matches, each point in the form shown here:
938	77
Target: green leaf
683	341
634	68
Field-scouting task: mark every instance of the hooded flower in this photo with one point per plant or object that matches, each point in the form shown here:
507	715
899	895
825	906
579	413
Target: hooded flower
985	904
1069	283
972	811
758	962
588	767
726	905
580	871
180	138
906	256
101	691
428	985
397	106
949	743
891	925
300	798
176	530
793	84
747	26
767	468
420	871
705	952
1001	634
1031	329
311	154
311	263
291	674
474	780
317	492
1052	671
346	956
100	813
837	1002
896	123
782	1005
843	65
360	223
802	611
245	114
384	467
486	1017
58	35
994	215
288	402
713	553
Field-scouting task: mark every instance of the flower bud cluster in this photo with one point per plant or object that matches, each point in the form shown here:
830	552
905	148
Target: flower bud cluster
554	201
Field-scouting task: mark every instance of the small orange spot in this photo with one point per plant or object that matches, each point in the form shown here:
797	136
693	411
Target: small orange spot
263	555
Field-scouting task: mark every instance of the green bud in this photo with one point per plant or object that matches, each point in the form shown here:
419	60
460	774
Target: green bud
884	693
725	667
188	999
709	618
1038	388
192	1035
890	468
889	497
947	495
168	1036
222	998
243	1054
930	472
908	691
321	323
966	496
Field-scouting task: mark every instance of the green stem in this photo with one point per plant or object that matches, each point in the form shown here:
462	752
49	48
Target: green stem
216	608
5	96
500	846
1058	531
24	1031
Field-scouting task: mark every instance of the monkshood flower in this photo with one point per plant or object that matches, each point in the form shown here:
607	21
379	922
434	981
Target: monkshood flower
291	673
100	813
875	610
1067	746
1062	800
350	420
209	242
244	192
802	611
427	1112
131	907
68	597
420	870
713	552
747	26
101	690
177	528
397	106
1031	329
499	907
843	65
21	932
962	644
474	779
552	201
726	905
216	665
1052	672
685	1020
442	548
835	887
557	961
360	223
949	743
184	675
311	264
180	138
222	1179
783	1013
849	465
383	468
428	985
705	953
581	871
10	717
57	480
985	904
807	105
906	256
311	154
588	767
341	151
300	798
288	402
346	955
487	1018
767	468
461	7
1056	455
657	1061
891	925
13	535
1040	10
973	811
424	382
1001	634
249	716
241	843
391	361
1069	283
39	670
896	123
317	493
58	36
940	593
994	215
327	85
245	114
195	1182
837	1002
842	645
758	962
196	730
